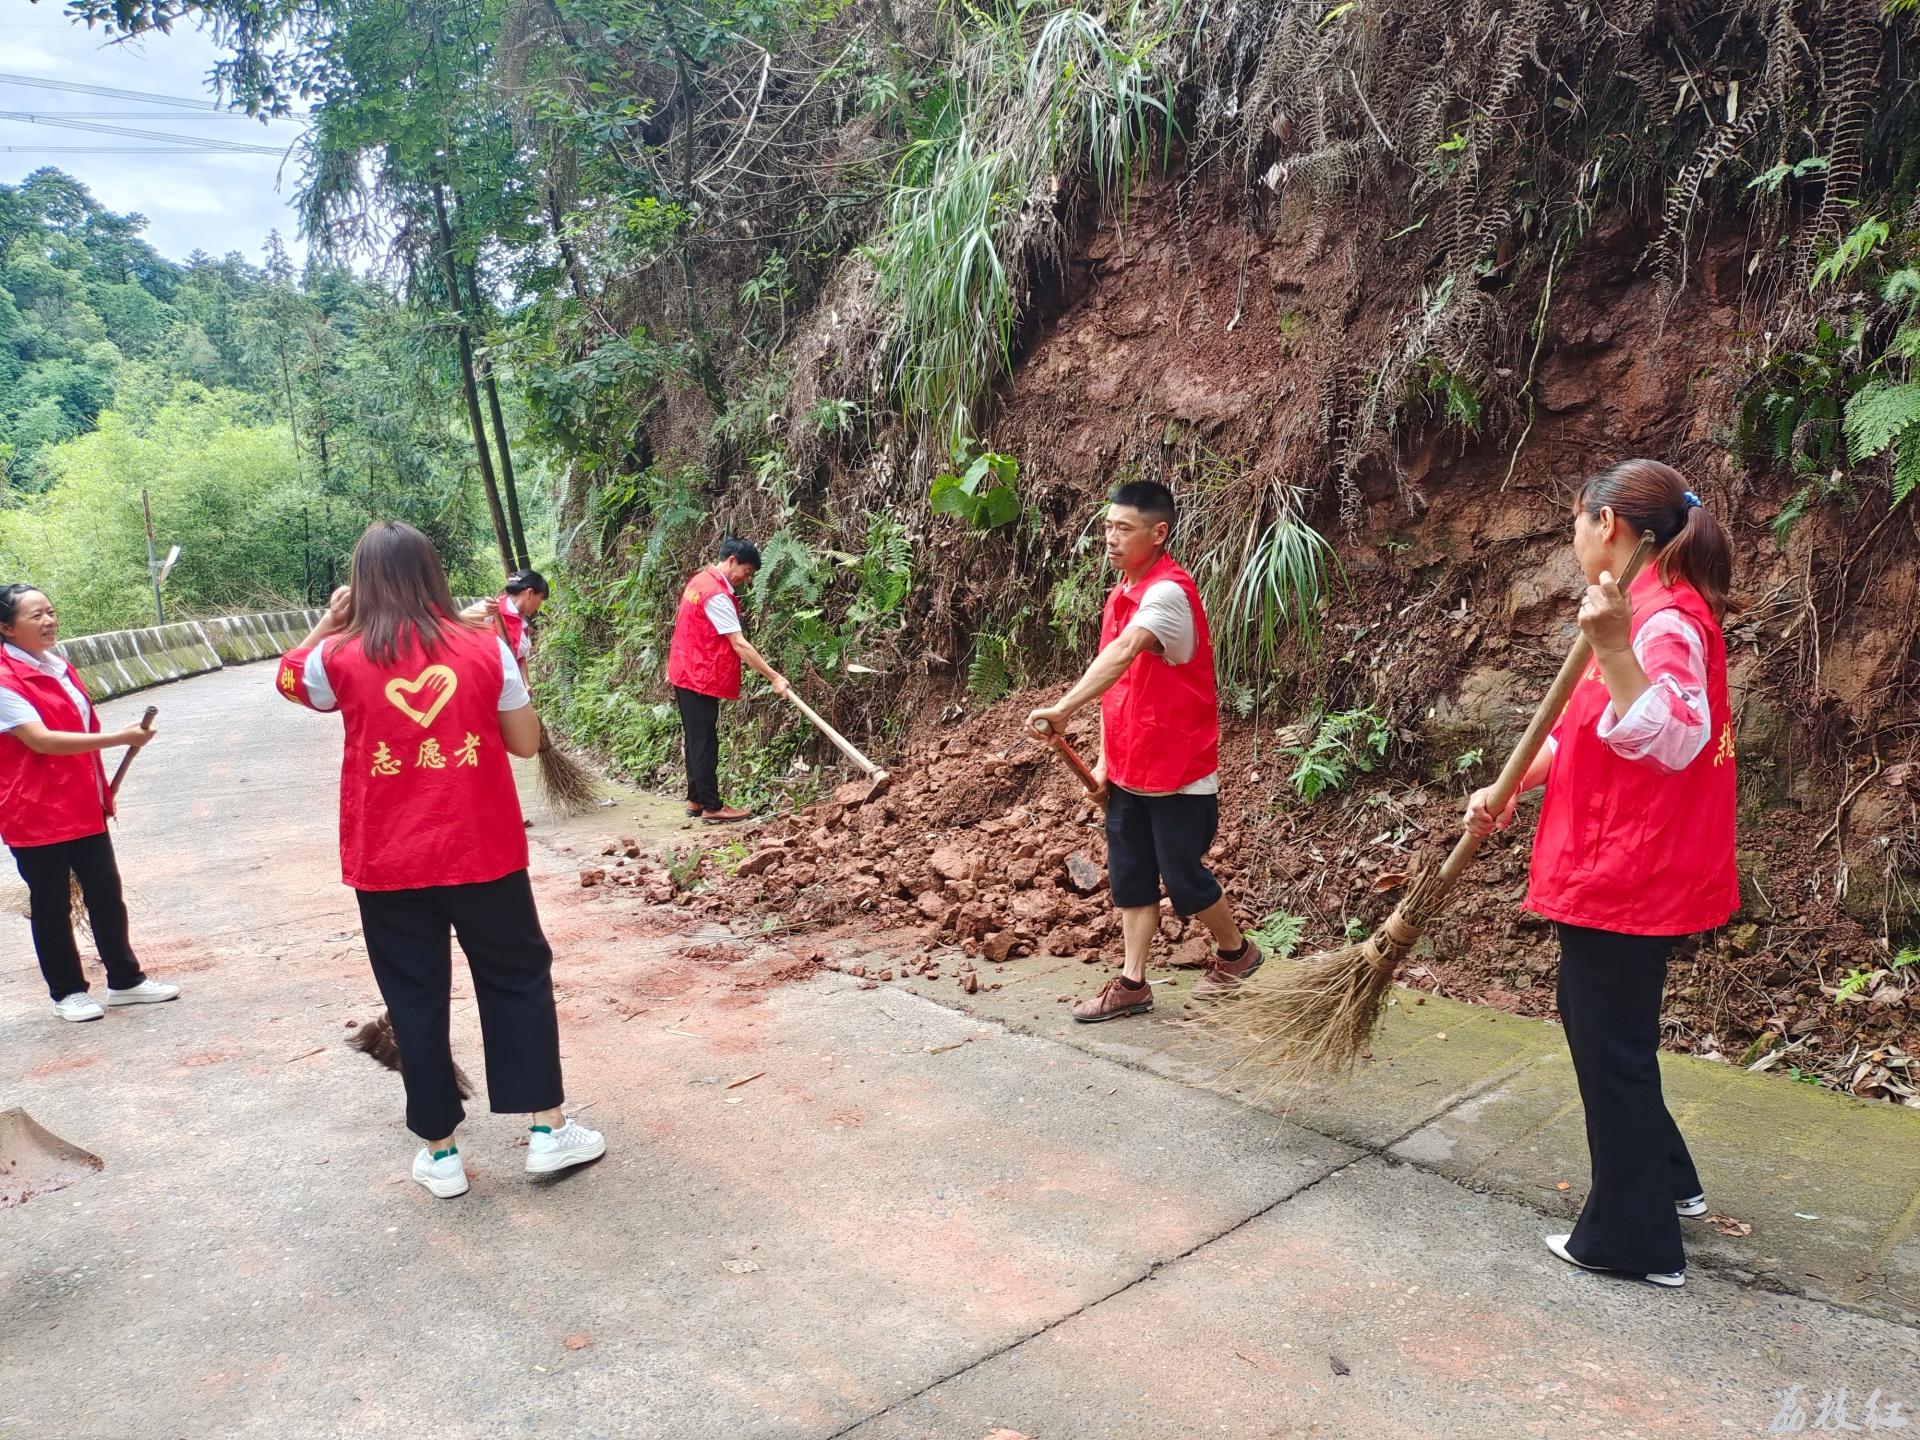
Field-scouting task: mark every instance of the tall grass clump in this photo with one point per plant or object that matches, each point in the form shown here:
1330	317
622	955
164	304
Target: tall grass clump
1044	100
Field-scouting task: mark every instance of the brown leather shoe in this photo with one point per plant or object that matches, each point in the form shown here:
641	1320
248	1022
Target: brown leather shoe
1114	1000
725	815
1224	976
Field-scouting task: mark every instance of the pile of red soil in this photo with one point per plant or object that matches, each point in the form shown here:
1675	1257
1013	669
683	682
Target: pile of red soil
985	841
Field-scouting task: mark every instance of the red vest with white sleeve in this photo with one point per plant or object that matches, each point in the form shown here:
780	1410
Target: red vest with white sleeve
1622	845
1160	722
426	788
515	626
48	799
701	658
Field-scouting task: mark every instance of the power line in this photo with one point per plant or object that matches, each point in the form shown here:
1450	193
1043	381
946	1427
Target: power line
110	150
74	85
195	142
151	115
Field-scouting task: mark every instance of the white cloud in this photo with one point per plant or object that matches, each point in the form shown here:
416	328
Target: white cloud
32	60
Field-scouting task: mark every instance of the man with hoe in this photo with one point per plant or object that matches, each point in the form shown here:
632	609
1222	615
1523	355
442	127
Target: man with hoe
703	666
1158	770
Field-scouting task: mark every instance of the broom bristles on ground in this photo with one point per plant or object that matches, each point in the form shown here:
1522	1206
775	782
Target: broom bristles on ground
377	1040
567	784
1312	1018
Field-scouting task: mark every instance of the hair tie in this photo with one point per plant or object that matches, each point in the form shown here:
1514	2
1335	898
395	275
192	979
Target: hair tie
1693	500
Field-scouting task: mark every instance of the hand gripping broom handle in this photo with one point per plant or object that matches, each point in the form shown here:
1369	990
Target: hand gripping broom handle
845	746
1070	755
119	774
1434	891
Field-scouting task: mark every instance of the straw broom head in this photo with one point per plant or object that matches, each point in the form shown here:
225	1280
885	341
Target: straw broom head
1312	1018
377	1040
567	784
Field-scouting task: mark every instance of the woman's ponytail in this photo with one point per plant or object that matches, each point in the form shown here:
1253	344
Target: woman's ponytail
1650	495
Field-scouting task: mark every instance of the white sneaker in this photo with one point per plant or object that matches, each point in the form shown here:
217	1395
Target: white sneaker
78	1006
1693	1208
1672	1280
571	1144
445	1177
147	992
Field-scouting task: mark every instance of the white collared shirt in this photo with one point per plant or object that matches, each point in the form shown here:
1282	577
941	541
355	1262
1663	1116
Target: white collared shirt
17	710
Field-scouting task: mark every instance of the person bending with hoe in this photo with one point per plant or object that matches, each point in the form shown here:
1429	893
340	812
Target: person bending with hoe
703	667
432	843
1635	845
1159	762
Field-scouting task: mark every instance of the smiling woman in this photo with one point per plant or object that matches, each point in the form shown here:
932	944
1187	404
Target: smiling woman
54	806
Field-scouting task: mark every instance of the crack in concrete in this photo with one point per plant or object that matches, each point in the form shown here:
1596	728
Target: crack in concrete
1363	1153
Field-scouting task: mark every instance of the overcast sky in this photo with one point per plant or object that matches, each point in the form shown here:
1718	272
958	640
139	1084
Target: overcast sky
203	201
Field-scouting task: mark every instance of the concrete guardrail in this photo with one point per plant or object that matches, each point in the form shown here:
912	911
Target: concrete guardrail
119	662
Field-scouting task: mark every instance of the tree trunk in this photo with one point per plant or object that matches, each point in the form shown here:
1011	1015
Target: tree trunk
286	382
508	489
464	344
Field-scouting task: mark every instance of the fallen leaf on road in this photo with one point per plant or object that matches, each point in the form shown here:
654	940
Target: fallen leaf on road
1563	1185
1339	1365
578	1342
1727	1225
741	1267
1007	1435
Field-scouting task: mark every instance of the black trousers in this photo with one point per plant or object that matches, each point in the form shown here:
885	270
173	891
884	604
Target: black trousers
1609	995
700	720
409	945
45	869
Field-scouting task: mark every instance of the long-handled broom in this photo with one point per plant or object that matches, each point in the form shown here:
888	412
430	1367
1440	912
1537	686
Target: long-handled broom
1314	1017
566	784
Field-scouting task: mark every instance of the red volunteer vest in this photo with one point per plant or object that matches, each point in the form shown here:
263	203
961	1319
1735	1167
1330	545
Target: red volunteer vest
426	789
1623	846
47	799
1161	722
701	659
515	624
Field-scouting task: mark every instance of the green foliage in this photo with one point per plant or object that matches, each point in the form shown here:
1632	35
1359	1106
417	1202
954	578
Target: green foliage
982	494
1035	93
1279	934
1277	596
1774	176
996	670
1344	744
1460	402
1883	415
1858	246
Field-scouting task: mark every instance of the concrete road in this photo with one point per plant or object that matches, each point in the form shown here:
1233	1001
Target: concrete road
907	1221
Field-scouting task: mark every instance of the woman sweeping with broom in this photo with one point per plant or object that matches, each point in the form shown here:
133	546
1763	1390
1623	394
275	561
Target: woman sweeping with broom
566	783
1635	845
54	808
432	842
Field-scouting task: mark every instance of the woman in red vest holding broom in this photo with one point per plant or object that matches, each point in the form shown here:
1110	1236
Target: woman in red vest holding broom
54	808
1635	845
432	842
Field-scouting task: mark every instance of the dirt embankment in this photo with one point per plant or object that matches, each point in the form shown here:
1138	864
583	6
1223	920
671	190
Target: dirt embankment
1182	350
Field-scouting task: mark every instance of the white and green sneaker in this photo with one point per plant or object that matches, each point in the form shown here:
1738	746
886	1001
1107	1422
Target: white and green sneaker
441	1171
549	1150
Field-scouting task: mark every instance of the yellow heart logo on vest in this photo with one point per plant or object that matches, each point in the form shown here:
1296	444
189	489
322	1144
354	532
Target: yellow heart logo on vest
436	681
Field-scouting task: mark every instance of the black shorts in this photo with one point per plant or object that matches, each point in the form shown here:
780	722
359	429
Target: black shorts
1161	838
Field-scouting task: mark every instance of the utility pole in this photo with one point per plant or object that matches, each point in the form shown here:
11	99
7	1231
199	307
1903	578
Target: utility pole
153	565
